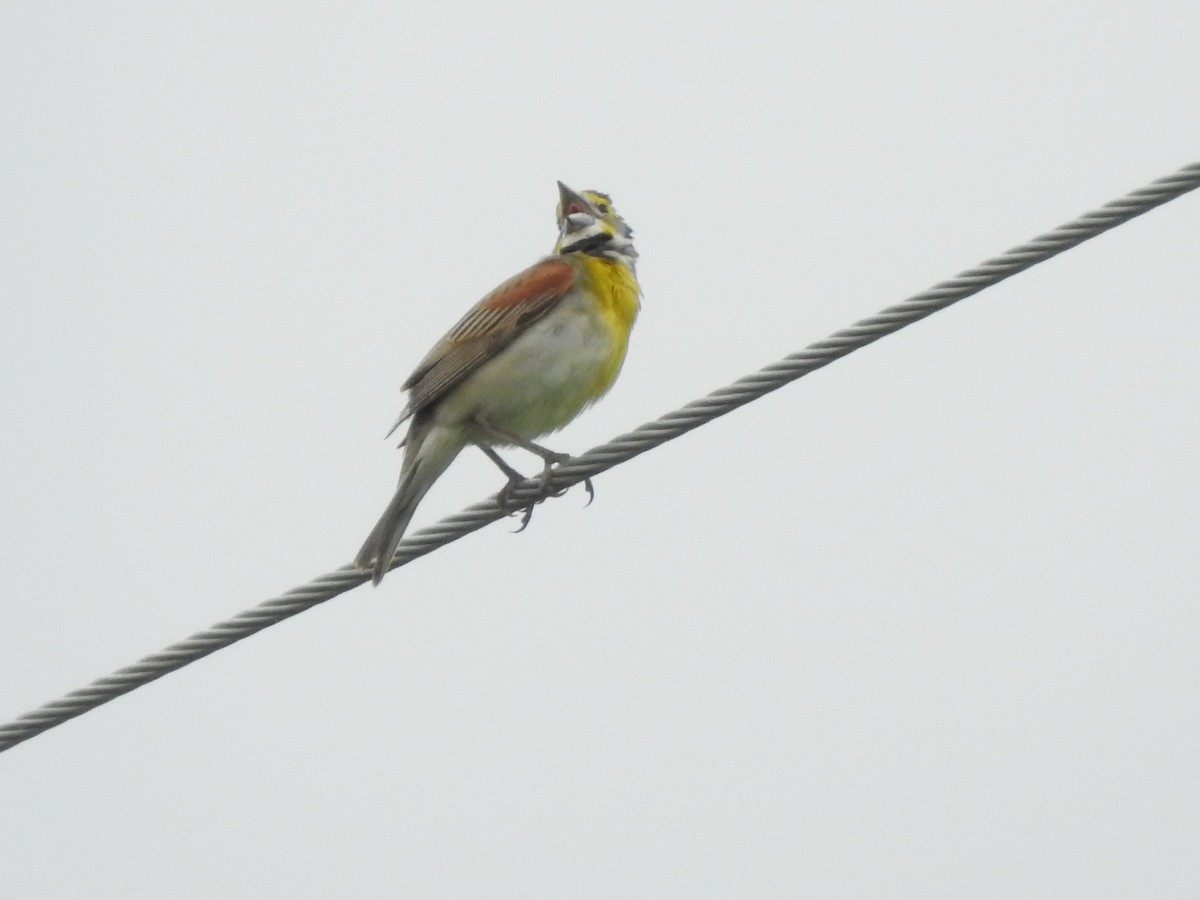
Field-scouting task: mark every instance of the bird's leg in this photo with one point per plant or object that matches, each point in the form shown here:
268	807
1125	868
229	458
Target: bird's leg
505	493
514	477
550	458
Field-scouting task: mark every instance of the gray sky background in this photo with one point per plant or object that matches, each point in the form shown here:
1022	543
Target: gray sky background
924	624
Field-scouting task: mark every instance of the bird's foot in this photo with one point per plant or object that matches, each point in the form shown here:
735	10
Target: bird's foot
552	459
545	491
549	458
504	501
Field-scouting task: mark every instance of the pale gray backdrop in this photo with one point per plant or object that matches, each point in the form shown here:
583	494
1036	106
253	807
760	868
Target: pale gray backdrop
923	625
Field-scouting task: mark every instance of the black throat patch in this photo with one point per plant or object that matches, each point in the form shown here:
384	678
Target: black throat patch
588	244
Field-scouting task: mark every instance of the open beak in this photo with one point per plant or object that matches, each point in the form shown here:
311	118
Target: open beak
571	202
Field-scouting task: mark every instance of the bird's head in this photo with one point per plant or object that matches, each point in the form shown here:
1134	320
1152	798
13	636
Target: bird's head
588	223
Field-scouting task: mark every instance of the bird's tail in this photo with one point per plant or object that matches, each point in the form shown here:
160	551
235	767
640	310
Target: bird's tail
427	455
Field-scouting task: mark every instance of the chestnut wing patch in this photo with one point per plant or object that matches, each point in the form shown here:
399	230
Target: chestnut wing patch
489	326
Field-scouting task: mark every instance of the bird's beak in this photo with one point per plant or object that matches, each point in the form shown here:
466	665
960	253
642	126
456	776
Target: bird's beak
571	202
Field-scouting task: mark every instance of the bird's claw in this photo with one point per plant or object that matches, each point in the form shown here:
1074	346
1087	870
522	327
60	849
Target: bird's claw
504	496
549	461
526	516
504	501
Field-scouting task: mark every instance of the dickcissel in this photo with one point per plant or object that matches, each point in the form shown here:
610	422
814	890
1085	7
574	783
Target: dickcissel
523	362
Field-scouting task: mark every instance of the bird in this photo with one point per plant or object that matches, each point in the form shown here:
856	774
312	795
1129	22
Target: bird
523	362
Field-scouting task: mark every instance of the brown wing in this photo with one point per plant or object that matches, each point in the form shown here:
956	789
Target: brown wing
490	325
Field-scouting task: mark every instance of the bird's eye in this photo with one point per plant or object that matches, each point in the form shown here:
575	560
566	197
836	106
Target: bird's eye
602	208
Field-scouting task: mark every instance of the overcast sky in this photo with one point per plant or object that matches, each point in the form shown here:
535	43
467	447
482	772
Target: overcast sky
924	624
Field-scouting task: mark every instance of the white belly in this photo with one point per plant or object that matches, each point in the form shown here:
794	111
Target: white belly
542	380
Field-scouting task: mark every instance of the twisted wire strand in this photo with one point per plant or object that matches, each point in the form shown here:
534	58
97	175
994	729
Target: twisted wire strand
604	457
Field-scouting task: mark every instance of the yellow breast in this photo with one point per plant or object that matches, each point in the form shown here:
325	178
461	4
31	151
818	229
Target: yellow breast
618	296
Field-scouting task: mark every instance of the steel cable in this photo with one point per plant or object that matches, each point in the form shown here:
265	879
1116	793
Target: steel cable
604	457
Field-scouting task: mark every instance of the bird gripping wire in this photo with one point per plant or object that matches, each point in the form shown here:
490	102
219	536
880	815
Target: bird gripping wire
604	457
